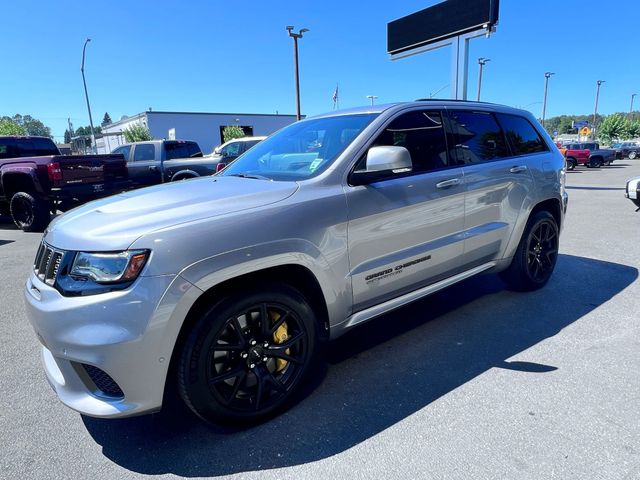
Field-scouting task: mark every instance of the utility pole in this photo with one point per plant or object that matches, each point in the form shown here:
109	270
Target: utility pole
372	98
295	37
544	102
631	107
93	136
595	108
481	63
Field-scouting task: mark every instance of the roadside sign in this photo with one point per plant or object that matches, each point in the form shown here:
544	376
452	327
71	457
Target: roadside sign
171	134
580	124
585	131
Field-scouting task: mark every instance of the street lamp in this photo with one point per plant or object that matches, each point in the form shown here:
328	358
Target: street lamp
595	108
372	98
544	101
295	37
631	107
481	62
93	136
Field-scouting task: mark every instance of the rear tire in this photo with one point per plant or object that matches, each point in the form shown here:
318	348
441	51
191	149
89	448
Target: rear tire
30	212
632	155
571	163
536	255
247	356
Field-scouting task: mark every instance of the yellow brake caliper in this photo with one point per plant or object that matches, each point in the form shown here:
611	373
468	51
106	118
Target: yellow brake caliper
280	336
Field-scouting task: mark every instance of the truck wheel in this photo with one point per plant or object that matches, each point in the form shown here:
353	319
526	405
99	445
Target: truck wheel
632	155
571	163
595	162
247	356
536	256
30	212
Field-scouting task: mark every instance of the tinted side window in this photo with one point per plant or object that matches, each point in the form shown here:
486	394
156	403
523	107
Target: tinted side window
145	151
523	137
478	136
181	150
422	133
232	150
124	151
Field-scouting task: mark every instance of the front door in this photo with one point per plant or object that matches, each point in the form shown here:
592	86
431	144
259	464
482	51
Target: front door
145	165
407	232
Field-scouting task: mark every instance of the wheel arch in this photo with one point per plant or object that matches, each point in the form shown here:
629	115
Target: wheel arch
18	181
295	275
183	175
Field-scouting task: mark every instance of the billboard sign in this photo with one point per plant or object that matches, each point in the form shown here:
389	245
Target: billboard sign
442	21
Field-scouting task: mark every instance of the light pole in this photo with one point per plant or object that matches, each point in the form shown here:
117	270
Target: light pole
481	62
544	101
595	108
631	107
372	98
93	136
295	37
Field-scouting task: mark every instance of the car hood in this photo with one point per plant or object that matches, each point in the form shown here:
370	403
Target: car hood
114	223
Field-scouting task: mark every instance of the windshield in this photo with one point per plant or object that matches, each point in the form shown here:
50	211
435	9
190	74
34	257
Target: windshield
300	150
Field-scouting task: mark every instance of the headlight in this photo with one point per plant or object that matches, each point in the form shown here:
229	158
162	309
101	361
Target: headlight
112	267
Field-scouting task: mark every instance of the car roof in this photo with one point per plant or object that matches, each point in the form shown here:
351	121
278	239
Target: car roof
430	102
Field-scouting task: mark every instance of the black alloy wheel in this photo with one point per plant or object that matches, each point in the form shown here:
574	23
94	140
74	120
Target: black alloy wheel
542	251
247	356
536	255
29	212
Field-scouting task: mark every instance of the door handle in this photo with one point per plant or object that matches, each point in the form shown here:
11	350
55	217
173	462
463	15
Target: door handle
448	183
153	168
518	169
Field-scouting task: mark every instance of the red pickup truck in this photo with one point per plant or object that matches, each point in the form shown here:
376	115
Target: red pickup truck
35	180
576	155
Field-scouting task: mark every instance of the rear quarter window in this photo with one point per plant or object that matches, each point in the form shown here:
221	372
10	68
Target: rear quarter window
522	136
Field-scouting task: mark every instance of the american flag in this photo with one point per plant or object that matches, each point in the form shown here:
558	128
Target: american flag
335	96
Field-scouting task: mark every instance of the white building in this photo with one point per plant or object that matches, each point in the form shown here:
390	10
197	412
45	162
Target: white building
204	128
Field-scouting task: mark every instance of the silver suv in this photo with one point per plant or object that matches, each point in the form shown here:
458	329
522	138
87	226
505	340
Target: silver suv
224	287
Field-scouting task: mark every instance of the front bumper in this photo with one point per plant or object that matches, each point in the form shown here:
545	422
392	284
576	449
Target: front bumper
128	334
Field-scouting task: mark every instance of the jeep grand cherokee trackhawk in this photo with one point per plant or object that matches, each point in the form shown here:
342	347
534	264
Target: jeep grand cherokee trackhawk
223	287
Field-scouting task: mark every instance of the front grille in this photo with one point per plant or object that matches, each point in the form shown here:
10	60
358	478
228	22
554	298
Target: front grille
103	381
47	263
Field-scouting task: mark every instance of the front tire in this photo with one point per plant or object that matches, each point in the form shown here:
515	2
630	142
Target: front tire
536	255
632	155
595	162
247	356
571	164
30	212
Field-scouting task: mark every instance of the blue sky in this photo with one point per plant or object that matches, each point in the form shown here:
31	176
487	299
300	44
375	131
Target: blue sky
203	55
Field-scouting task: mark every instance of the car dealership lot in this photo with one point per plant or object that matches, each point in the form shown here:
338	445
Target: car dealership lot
474	382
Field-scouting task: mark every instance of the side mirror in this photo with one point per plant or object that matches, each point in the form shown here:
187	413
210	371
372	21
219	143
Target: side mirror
383	162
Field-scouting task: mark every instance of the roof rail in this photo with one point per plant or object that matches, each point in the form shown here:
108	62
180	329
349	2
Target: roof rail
448	100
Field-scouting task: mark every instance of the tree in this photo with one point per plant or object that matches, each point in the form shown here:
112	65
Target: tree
9	127
86	131
106	119
137	133
633	129
232	131
612	128
67	136
30	125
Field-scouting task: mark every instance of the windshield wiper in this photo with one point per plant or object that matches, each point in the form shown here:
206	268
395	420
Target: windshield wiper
246	175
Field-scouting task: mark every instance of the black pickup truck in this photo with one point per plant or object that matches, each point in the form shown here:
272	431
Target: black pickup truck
159	161
35	180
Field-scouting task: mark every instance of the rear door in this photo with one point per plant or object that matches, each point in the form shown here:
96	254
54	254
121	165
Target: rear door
406	232
145	165
497	180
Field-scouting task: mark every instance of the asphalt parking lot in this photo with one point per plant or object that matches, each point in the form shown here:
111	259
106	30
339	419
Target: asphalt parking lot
474	382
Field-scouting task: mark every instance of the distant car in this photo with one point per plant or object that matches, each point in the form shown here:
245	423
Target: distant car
597	155
575	155
229	151
627	149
